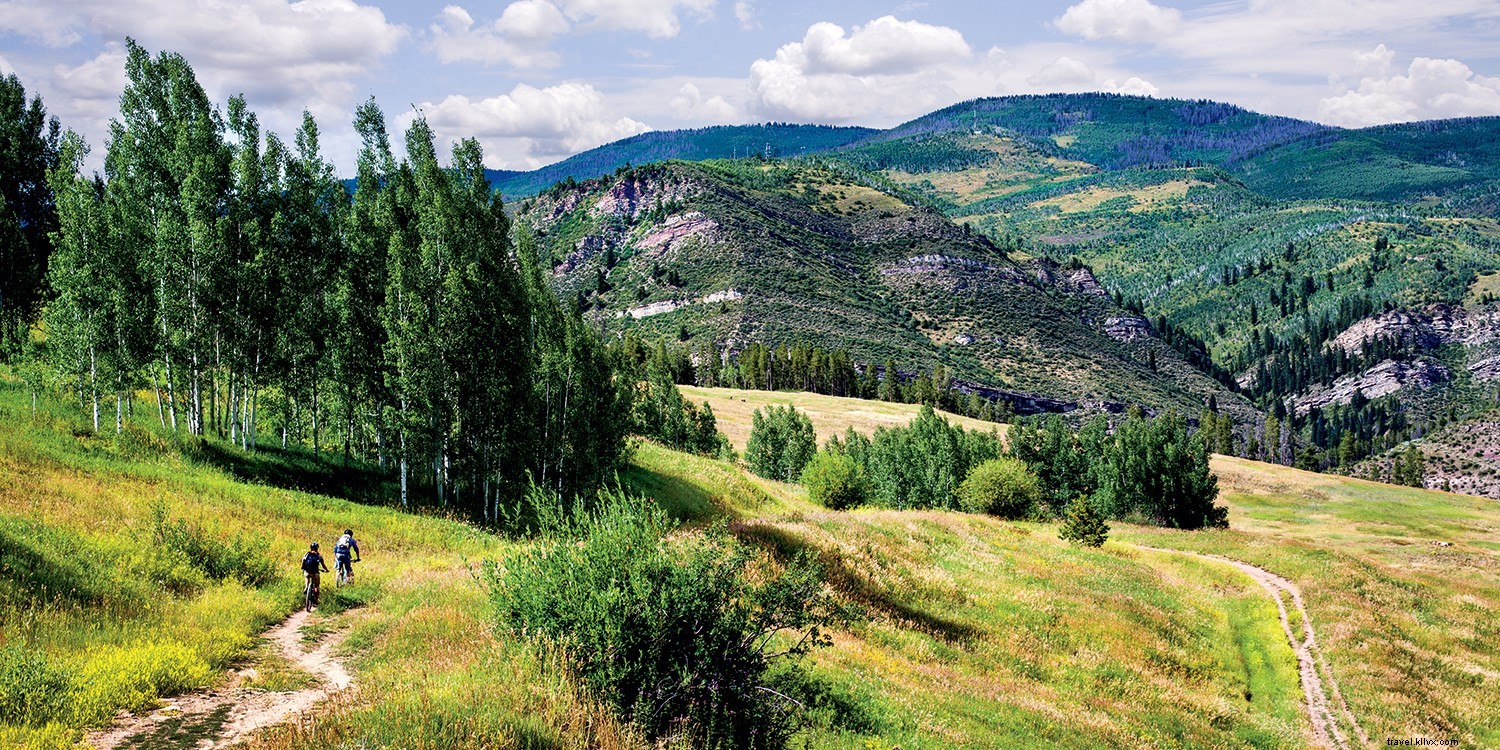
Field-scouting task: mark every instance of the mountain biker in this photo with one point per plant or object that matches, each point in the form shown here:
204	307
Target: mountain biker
342	549
312	562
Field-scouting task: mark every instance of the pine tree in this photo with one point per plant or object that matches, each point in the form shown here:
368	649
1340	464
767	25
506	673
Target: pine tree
1083	524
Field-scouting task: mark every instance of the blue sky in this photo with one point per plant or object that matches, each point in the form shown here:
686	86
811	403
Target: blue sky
538	80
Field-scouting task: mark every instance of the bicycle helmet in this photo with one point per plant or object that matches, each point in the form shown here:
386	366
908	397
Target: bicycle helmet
349	532
314	545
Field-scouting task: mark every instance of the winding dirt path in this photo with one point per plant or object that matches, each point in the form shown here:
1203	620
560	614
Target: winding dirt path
1319	688
218	718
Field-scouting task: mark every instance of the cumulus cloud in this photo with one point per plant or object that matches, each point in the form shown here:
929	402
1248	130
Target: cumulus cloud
1063	73
1122	20
1132	86
839	75
656	18
744	12
519	38
1431	89
530	127
691	104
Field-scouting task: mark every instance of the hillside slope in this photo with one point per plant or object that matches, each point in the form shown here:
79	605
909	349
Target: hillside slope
721	142
735	253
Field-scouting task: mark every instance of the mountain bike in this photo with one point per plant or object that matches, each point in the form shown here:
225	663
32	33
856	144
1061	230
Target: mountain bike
310	594
346	571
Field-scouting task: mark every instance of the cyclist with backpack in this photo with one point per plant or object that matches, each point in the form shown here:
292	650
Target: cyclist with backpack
342	549
312	564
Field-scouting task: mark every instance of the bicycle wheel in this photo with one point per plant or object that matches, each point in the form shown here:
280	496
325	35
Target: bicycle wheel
309	596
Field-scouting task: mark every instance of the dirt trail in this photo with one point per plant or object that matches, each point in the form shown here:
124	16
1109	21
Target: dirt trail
1319	688
219	718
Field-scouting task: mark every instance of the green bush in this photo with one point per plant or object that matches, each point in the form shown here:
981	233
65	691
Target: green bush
677	633
921	465
1083	525
239	558
835	481
33	690
781	443
1003	487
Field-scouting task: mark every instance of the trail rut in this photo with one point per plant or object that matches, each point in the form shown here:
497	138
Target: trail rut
218	718
1325	704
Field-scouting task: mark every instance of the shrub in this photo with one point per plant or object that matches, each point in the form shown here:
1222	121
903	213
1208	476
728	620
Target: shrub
1003	487
921	465
33	690
238	558
781	443
1083	525
835	481
677	634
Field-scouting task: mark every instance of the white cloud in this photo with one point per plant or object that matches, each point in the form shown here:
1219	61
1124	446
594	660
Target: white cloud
833	75
1122	20
529	127
1132	87
1063	73
1431	89
744	12
690	104
884	45
5	67
1376	61
656	18
520	38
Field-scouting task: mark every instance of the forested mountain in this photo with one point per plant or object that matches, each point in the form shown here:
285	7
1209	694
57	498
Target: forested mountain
722	142
725	257
1344	276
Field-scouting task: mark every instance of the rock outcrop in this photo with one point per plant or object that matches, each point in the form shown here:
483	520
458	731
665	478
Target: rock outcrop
1381	380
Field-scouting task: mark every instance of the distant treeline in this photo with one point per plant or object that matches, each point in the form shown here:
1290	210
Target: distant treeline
803	367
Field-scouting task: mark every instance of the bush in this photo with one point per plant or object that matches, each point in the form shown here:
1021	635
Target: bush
781	443
238	558
33	691
1003	487
674	633
1083	525
835	481
921	465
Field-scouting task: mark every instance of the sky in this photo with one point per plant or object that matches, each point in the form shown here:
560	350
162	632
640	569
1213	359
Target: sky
539	80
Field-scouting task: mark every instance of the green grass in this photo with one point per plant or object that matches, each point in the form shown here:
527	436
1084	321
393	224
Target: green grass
969	632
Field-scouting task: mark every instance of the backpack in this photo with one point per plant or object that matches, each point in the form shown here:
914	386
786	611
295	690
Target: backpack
310	562
341	548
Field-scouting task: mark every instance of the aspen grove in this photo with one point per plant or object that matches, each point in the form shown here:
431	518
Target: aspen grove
230	282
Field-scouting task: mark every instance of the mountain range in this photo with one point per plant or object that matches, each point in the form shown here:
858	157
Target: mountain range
1075	252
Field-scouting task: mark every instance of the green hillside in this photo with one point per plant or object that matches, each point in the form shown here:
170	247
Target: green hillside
1038	644
729	254
721	142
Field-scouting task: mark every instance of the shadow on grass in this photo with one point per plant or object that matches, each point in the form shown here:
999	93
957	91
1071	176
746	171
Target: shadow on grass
681	499
296	470
785	545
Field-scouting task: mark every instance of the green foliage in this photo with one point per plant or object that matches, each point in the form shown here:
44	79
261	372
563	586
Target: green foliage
1004	487
1066	462
835	481
239	557
678	633
29	149
33	690
781	443
1083	524
1154	470
921	465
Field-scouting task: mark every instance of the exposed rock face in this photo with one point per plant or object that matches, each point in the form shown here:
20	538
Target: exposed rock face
1486	369
1082	281
668	305
1381	380
676	229
1127	328
1423	329
630	198
935	263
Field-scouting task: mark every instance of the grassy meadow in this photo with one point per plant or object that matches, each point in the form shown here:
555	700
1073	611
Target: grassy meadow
965	632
